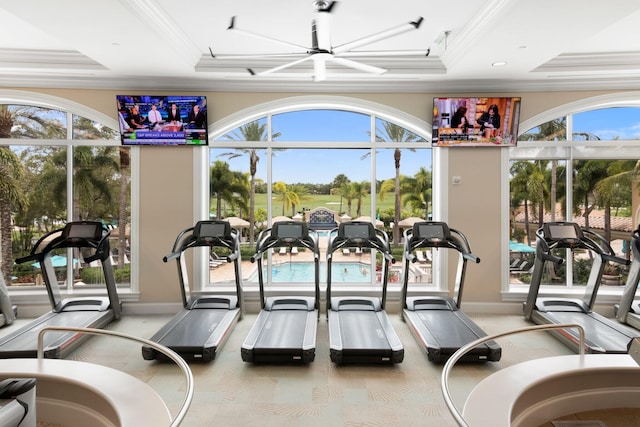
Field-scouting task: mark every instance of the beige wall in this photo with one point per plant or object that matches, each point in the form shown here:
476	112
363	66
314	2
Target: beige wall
167	186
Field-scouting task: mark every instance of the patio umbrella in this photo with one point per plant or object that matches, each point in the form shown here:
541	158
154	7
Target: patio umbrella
408	222
57	261
520	247
280	219
236	222
377	222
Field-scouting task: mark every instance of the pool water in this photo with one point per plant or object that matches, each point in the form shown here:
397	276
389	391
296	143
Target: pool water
301	272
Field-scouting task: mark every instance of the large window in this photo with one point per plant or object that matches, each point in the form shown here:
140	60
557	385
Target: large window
56	167
583	168
322	166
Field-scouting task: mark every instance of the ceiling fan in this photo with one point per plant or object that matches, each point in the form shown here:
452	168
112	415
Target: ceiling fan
322	51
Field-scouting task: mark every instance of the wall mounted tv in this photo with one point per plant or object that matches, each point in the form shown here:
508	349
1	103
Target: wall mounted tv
475	122
162	120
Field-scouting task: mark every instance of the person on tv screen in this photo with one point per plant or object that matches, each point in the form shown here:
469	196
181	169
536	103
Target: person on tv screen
459	120
154	115
136	121
490	119
173	113
197	118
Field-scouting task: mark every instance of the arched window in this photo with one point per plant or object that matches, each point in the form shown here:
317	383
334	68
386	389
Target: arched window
59	161
348	159
580	166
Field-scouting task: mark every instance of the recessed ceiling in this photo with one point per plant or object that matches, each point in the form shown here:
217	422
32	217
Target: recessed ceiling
167	45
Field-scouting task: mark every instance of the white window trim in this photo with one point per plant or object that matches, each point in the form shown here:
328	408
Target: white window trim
20	97
326	102
561	150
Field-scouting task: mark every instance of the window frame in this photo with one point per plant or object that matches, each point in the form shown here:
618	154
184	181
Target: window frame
567	150
71	108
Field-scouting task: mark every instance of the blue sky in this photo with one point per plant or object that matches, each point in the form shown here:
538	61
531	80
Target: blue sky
323	165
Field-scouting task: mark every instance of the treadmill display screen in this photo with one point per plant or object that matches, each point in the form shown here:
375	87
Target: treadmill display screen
356	231
92	231
435	232
212	229
287	231
566	231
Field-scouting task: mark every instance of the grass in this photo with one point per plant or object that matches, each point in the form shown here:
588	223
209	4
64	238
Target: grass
327	201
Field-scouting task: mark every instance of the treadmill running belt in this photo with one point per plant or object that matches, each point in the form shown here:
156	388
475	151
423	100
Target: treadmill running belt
190	331
606	337
447	329
361	330
284	329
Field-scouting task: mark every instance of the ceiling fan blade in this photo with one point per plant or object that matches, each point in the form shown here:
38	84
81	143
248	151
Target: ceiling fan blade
384	53
414	25
261	37
358	65
282	67
260	56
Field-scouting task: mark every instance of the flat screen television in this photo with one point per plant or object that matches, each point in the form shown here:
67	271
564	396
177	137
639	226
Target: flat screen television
163	120
475	122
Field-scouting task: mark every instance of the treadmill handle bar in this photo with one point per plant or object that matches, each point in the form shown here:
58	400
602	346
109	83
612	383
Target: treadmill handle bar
184	367
446	370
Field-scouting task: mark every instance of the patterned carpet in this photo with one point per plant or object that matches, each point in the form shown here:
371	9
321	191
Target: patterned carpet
233	393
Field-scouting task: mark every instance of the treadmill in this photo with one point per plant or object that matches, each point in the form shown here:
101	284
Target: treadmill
437	322
602	335
628	310
8	311
359	329
92	238
201	328
285	329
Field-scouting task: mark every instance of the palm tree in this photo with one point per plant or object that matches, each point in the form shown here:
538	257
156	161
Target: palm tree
616	188
391	132
337	184
346	191
253	131
227	185
360	190
418	190
24	122
300	194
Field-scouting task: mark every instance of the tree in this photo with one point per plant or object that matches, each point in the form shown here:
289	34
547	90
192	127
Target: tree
391	132
336	186
17	121
227	185
359	190
254	131
417	191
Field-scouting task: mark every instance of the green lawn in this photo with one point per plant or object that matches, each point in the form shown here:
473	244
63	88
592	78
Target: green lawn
327	201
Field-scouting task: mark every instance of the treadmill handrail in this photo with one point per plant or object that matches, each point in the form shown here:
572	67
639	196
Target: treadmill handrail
380	243
448	366
455	239
184	367
266	241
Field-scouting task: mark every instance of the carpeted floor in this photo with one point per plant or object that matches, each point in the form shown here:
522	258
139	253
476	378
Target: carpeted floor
229	392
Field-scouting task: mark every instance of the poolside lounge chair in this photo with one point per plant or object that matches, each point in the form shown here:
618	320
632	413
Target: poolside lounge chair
346	251
420	257
283	250
358	251
294	250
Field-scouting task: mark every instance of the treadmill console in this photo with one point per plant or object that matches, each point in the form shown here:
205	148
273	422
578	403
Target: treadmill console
357	231
289	230
210	229
431	231
77	232
567	232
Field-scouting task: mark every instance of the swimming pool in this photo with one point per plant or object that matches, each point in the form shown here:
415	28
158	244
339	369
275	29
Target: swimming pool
301	272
